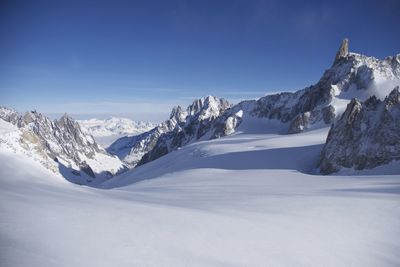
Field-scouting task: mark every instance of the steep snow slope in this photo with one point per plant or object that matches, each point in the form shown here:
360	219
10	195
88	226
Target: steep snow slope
241	200
108	130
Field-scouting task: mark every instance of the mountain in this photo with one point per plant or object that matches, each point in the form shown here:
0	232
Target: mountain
366	135
183	127
351	75
60	145
242	200
108	130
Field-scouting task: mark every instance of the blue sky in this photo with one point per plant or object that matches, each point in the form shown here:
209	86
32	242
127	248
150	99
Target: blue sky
139	58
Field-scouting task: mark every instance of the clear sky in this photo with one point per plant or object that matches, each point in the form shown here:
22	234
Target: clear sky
139	58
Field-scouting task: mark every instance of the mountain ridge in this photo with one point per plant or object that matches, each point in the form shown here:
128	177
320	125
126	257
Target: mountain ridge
319	105
62	146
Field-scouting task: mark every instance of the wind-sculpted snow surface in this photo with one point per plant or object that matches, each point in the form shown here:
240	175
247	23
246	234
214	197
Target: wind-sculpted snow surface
61	145
241	200
367	135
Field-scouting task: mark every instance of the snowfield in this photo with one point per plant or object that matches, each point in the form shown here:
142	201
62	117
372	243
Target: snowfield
244	200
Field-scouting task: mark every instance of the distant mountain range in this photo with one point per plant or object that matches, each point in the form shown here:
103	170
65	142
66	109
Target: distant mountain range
356	97
106	131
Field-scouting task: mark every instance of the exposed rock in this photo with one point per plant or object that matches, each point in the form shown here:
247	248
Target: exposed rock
182	127
343	50
299	123
83	166
312	107
63	142
328	114
303	121
199	121
367	135
178	114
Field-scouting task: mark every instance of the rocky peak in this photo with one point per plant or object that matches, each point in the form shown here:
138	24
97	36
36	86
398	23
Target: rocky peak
64	119
343	50
394	97
30	116
209	106
62	142
315	106
67	124
366	135
9	114
177	114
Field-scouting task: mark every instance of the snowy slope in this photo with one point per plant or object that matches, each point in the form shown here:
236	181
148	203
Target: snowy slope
242	200
317	106
252	197
58	145
108	130
182	127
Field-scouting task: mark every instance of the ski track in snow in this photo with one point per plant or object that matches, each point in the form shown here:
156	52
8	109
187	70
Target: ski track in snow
242	200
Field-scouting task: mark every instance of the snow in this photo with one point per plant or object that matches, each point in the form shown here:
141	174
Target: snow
248	200
107	131
22	142
11	142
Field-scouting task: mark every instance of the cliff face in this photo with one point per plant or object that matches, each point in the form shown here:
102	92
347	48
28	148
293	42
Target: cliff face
343	51
63	143
366	135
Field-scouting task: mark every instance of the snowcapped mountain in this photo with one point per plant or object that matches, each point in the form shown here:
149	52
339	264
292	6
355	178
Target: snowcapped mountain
108	130
241	200
182	127
320	105
251	198
367	135
59	145
351	75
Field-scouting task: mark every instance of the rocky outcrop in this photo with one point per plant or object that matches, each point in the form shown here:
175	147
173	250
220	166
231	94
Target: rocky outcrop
366	135
131	149
201	115
343	51
315	106
301	122
62	141
182	127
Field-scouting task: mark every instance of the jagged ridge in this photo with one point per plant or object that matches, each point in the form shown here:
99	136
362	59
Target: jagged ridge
182	127
315	106
62	141
367	135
